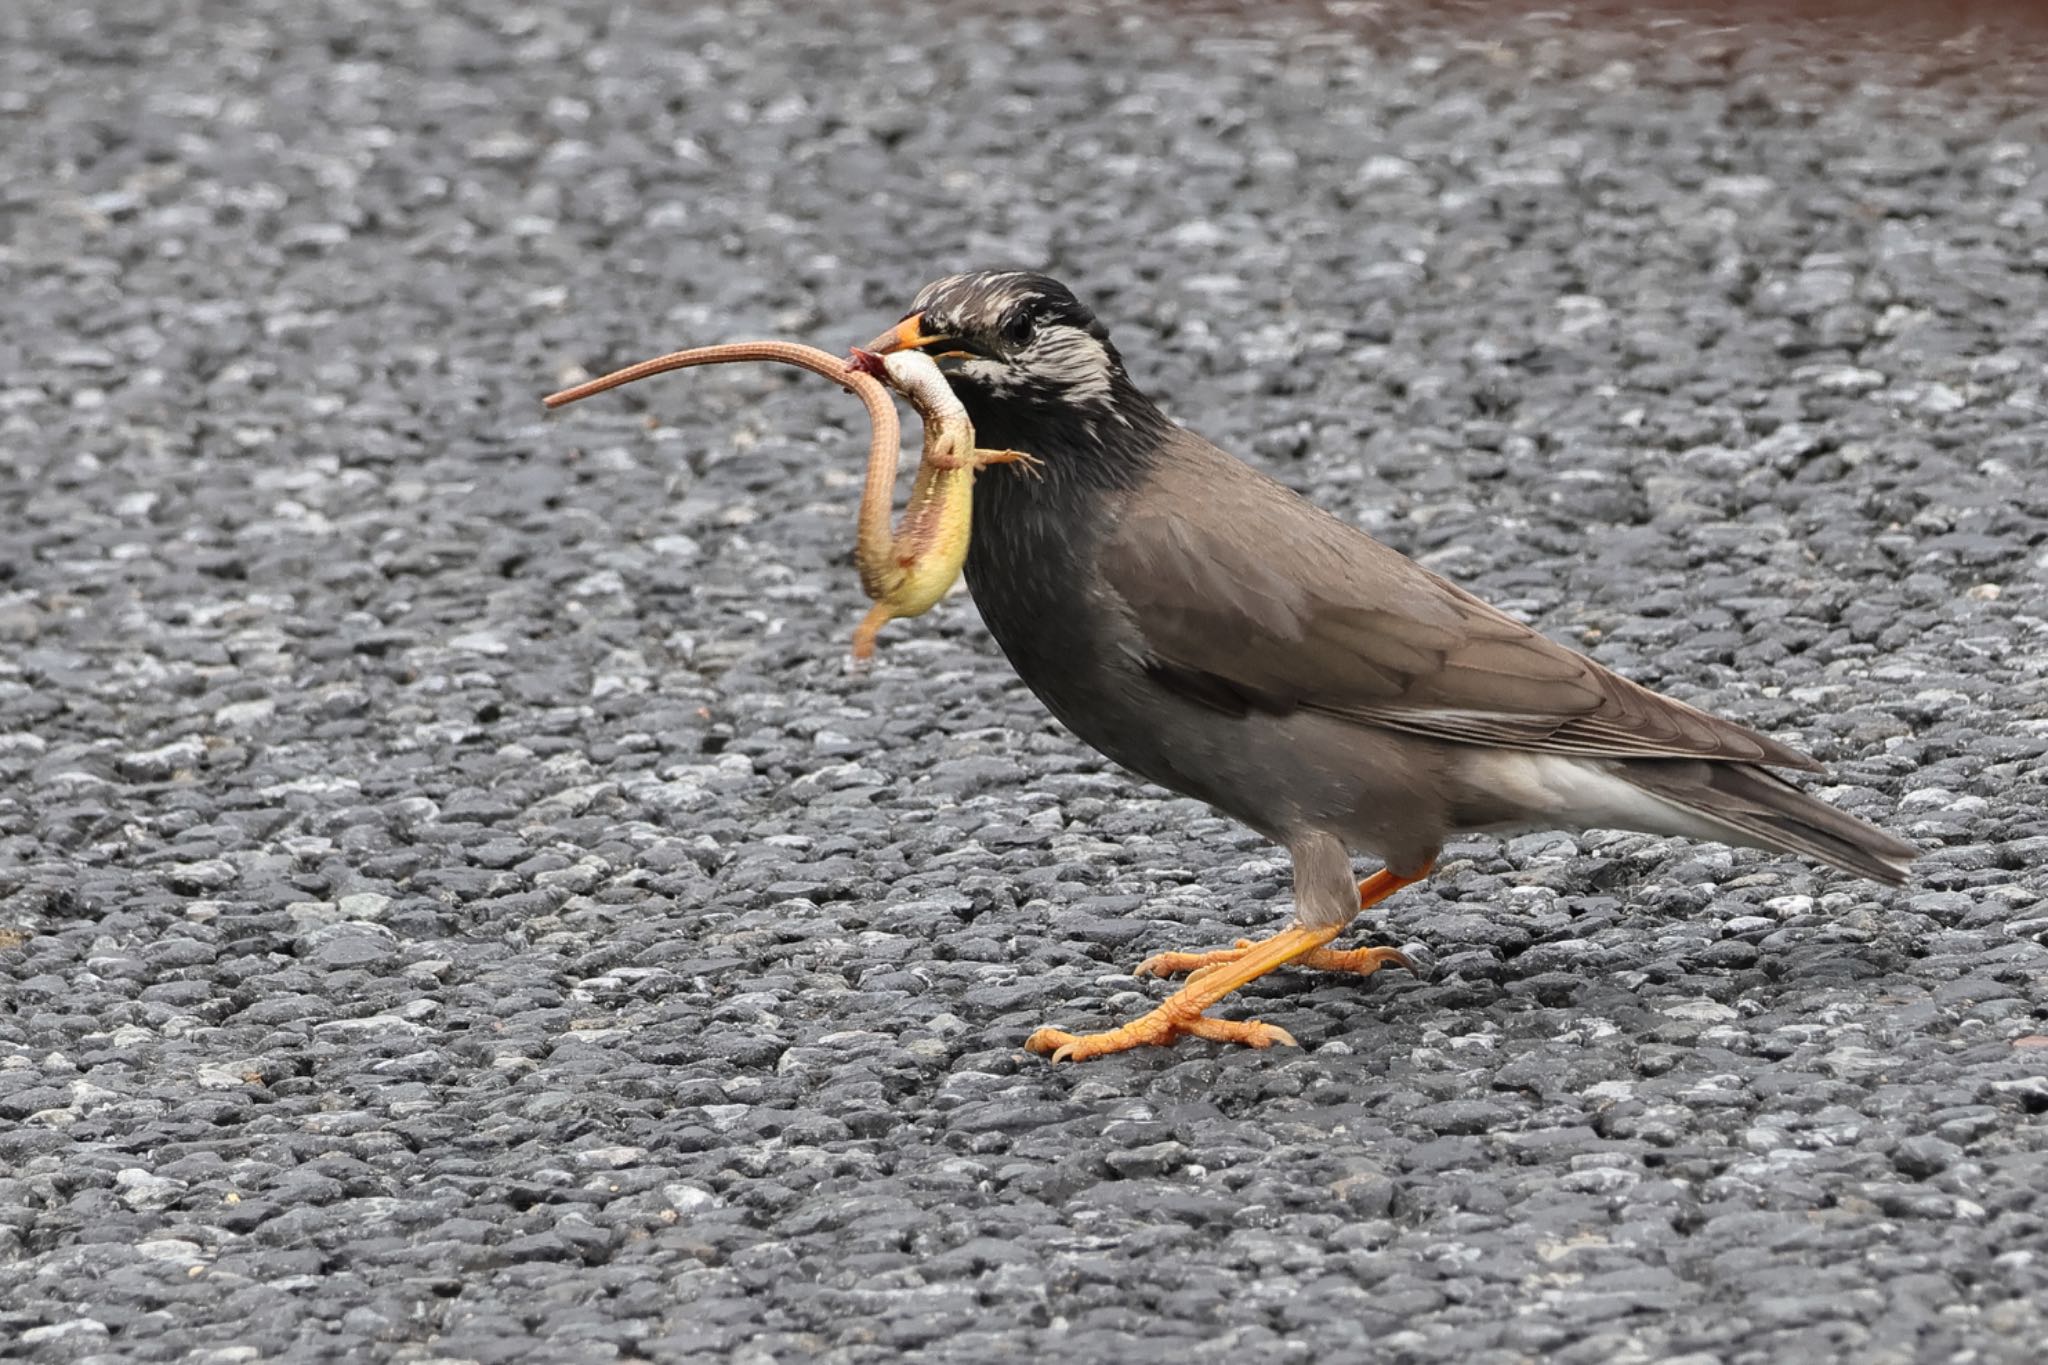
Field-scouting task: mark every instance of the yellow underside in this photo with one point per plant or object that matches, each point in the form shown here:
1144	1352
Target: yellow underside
932	544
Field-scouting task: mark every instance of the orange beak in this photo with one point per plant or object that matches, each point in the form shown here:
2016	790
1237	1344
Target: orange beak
907	335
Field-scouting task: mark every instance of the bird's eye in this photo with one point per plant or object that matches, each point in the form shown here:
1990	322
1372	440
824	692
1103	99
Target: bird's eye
1016	330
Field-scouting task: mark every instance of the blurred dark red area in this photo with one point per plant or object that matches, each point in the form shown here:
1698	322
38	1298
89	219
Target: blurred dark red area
1990	25
1873	16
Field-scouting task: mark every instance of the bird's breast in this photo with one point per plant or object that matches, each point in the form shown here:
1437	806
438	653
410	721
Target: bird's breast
1030	565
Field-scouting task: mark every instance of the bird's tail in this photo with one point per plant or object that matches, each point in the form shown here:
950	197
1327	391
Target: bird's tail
1740	804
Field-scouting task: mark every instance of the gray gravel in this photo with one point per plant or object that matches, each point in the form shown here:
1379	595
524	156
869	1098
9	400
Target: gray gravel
456	907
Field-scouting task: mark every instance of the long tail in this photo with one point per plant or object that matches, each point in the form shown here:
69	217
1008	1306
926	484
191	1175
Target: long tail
1740	804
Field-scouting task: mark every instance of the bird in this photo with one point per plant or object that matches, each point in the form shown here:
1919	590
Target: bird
1211	630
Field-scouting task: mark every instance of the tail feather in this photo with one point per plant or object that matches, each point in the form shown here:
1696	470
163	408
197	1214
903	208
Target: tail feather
1740	804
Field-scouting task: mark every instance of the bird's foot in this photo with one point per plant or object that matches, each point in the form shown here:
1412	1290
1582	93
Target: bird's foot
1217	975
1156	1029
1357	961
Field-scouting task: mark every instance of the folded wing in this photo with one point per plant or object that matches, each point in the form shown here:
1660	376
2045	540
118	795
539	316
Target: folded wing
1250	606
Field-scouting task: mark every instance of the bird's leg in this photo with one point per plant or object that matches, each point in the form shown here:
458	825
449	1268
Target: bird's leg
1182	1012
1357	961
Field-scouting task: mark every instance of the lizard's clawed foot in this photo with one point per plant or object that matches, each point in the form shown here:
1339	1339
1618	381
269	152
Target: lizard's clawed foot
1032	464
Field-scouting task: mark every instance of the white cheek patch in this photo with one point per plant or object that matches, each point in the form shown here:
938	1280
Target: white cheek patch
990	375
1071	360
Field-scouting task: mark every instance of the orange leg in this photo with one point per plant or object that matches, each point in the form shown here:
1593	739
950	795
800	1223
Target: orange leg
1217	975
1358	961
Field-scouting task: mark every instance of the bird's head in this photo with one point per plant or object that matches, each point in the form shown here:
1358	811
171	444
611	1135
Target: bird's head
1018	341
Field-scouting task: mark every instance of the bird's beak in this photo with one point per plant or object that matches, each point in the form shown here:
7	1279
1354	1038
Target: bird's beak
907	335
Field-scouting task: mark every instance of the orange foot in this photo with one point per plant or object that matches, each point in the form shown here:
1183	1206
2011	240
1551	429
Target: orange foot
1156	1029
1358	961
1182	1014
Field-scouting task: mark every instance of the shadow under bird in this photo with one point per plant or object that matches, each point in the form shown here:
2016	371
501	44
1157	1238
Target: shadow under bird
1211	630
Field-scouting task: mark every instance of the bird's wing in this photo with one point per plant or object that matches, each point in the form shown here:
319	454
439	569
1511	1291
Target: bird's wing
1245	597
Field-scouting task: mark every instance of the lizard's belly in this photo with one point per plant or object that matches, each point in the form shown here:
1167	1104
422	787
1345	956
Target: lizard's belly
932	546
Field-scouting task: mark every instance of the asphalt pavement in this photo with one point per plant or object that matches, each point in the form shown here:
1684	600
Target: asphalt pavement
455	906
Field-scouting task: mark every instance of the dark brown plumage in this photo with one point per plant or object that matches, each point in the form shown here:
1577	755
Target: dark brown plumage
1211	630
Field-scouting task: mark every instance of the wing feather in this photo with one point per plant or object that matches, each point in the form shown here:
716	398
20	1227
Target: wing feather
1257	601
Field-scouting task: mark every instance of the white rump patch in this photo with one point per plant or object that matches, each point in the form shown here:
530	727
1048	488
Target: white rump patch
1562	792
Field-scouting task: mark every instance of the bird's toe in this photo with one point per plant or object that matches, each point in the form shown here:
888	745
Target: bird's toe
1247	1032
1057	1042
1172	964
1157	1029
